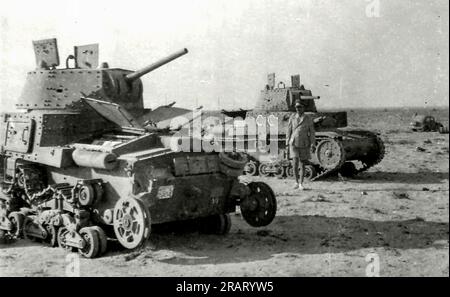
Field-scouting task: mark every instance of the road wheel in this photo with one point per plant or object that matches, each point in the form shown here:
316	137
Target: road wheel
103	240
264	169
91	240
279	171
310	172
251	169
17	219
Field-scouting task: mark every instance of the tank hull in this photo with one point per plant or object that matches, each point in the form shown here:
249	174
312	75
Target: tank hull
362	148
167	197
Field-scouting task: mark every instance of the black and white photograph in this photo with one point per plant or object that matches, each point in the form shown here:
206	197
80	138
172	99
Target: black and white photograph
206	139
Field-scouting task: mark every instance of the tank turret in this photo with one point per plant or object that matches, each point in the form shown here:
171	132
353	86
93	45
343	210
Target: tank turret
50	88
279	99
283	98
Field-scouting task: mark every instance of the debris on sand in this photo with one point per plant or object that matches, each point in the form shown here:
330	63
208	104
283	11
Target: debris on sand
401	195
365	245
132	255
425	189
321	198
325	242
420	149
364	193
403	141
427	141
395	251
376	210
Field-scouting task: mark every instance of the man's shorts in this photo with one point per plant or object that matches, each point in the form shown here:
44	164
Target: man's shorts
303	154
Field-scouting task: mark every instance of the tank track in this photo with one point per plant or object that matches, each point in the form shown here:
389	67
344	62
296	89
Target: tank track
49	214
374	159
329	172
377	158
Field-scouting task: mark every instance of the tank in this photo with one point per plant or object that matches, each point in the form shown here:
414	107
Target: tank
82	167
338	148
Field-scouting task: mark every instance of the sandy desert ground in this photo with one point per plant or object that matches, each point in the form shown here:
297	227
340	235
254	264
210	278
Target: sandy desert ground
398	210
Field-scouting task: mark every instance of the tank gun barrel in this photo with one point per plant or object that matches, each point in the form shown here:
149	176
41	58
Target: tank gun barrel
143	71
309	97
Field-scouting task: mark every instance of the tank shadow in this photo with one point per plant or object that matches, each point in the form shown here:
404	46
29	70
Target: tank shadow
423	177
293	236
287	236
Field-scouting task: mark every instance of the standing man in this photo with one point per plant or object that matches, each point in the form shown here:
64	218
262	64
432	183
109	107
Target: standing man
300	137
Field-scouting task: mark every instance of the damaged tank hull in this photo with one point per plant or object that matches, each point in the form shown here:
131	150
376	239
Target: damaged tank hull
79	167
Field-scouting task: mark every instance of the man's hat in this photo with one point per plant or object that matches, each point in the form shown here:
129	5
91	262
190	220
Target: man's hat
298	103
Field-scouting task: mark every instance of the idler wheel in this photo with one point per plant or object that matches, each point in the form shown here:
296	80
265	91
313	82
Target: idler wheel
91	243
131	221
102	239
17	219
330	153
216	224
251	169
259	208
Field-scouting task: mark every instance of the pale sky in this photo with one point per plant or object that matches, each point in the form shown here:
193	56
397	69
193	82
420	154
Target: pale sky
398	57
